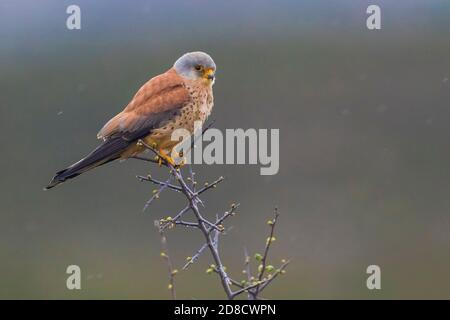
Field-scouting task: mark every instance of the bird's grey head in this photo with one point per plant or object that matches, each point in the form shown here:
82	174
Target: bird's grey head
196	65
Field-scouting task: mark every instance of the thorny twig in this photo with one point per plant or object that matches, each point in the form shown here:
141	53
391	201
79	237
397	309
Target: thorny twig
191	260
172	272
269	241
211	231
156	193
158	182
248	272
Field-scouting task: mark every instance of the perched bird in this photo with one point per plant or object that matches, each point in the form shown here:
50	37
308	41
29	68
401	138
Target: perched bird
169	101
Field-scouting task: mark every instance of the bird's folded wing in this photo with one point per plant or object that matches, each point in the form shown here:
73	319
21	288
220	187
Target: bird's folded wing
155	103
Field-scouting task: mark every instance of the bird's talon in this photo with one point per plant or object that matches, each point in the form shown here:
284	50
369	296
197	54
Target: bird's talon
181	164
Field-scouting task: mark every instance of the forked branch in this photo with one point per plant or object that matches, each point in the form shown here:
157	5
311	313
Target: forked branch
211	230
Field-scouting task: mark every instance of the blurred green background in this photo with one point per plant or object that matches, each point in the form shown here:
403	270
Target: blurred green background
364	126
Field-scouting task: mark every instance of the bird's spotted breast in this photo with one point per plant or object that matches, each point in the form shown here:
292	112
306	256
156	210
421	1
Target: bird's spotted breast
197	108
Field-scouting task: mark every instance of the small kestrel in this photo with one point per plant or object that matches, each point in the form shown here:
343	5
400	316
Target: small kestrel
169	101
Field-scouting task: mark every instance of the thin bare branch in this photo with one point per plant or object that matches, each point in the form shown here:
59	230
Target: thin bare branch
191	260
248	272
226	215
157	193
279	271
187	224
172	272
269	241
158	182
209	186
166	224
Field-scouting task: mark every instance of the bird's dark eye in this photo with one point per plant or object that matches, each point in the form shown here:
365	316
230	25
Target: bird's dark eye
198	67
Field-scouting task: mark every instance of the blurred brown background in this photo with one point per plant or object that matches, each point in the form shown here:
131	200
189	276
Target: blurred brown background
365	162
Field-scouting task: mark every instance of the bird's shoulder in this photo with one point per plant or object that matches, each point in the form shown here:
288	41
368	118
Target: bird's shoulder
161	93
158	97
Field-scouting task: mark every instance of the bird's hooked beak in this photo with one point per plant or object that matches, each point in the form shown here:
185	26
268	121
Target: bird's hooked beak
208	74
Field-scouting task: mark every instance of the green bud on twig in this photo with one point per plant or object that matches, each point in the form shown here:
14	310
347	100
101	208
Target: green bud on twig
270	240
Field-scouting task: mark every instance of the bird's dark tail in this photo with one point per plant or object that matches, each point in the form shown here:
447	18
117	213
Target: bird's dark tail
108	151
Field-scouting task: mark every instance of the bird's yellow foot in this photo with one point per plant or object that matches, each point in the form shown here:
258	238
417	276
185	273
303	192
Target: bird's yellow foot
182	163
165	157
